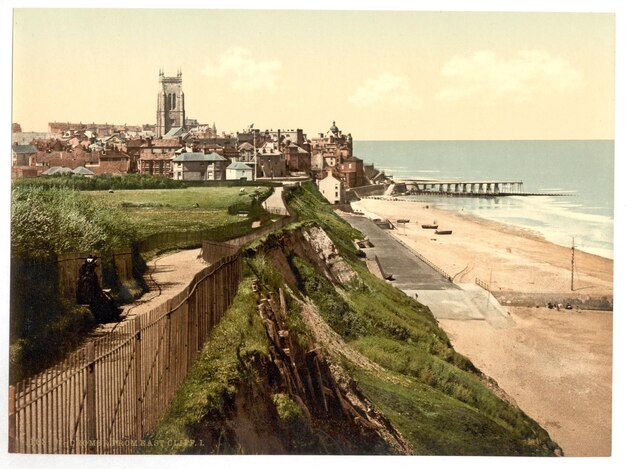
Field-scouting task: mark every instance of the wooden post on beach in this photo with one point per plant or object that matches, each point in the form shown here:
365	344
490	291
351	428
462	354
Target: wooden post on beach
572	284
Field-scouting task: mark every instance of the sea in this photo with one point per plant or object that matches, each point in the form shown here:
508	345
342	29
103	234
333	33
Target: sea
582	169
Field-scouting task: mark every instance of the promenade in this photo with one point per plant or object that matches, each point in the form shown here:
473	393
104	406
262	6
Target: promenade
425	282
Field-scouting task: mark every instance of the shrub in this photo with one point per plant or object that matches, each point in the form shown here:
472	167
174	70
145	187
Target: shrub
55	221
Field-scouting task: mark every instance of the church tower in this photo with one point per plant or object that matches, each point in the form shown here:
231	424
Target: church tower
170	103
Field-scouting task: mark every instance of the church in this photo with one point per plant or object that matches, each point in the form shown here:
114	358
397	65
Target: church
170	104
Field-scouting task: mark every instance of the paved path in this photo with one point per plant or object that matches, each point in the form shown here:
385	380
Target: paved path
446	300
409	271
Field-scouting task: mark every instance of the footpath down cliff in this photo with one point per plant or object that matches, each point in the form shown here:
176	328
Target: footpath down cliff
317	356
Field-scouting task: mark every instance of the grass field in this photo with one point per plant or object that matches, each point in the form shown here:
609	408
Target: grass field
193	208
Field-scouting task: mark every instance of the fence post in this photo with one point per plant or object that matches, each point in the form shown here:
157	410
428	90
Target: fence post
12	429
168	345
90	407
138	382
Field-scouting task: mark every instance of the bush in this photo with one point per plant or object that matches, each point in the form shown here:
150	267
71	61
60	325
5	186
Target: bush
102	182
55	221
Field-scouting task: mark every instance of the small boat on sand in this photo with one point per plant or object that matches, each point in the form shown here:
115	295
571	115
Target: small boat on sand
430	227
443	232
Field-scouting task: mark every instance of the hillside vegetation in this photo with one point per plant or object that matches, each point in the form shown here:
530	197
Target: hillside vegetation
388	345
50	217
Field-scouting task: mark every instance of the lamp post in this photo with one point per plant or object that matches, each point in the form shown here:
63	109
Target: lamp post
255	155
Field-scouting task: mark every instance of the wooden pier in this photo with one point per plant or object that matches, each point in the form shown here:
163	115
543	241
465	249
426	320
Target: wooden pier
450	188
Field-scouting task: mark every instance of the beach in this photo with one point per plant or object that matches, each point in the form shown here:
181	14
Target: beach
555	364
504	257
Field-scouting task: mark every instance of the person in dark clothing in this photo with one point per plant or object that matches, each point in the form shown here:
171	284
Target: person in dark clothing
88	292
87	281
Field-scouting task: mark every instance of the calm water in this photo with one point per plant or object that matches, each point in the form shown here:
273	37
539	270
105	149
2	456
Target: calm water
582	168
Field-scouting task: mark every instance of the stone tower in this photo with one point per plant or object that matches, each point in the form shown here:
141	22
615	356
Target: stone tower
170	103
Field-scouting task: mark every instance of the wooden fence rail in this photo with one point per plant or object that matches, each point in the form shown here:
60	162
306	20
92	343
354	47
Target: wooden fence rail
107	395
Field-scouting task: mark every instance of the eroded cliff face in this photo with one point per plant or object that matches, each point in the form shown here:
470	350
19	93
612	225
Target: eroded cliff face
297	399
328	398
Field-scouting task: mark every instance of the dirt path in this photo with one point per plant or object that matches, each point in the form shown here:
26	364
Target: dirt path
166	276
275	203
557	367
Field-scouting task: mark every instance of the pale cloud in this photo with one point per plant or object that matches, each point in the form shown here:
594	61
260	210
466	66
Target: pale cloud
387	89
246	72
527	74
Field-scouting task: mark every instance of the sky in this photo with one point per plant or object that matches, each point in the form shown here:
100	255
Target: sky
381	75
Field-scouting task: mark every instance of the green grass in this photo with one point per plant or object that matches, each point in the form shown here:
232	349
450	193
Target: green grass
210	386
188	209
307	202
42	342
50	218
435	423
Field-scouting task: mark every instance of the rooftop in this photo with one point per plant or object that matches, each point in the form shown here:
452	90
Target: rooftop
24	149
196	156
239	165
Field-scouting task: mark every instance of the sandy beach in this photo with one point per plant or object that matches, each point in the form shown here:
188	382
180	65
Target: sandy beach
556	365
506	258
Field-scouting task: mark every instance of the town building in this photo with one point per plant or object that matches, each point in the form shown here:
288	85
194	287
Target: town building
170	104
271	161
111	162
238	171
332	188
155	157
22	155
333	142
68	129
199	167
297	158
352	171
246	152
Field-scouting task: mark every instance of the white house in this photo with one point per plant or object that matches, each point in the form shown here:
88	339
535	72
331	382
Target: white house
332	188
237	171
